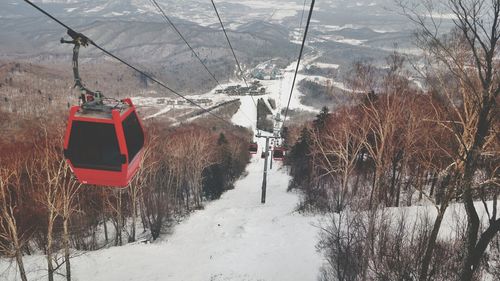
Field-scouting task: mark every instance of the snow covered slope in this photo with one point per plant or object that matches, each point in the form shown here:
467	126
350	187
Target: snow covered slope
235	238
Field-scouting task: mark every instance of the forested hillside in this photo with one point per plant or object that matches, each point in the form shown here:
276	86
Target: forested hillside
399	145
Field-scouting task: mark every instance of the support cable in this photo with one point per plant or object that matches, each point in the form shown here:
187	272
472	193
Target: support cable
160	9
231	47
298	61
91	42
164	15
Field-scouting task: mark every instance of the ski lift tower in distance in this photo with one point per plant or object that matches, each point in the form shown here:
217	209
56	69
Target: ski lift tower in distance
265	154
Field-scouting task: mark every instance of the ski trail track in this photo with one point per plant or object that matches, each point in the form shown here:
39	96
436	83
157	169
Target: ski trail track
233	238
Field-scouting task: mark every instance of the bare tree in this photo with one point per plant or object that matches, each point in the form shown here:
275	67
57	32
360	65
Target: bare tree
51	177
470	54
338	147
199	149
67	194
48	172
11	241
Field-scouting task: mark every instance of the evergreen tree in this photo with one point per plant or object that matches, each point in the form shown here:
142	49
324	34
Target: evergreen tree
285	135
299	160
222	139
322	118
217	177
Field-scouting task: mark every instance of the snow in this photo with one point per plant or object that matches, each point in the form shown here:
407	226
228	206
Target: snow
326	65
245	117
360	4
268	5
233	238
114	14
282	14
444	16
96	9
162	111
280	89
354	42
332	27
383	30
341	86
59	1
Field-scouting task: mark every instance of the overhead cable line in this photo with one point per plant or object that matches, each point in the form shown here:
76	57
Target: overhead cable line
164	15
126	63
300	28
160	9
231	47
302	16
228	41
298	61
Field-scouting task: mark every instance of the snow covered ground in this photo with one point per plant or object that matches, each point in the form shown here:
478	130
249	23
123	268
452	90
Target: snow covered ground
247	114
234	238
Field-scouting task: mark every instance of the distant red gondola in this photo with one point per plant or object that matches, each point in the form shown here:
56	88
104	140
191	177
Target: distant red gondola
279	153
253	148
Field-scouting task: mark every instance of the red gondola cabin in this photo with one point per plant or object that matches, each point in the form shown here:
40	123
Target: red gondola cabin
278	153
104	147
253	147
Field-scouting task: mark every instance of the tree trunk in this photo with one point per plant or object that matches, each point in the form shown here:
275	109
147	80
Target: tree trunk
106	238
143	212
374	185
66	249
50	267
433	184
483	243
472	228
470	167
20	265
19	255
118	221
355	186
131	238
12	225
393	181
429	250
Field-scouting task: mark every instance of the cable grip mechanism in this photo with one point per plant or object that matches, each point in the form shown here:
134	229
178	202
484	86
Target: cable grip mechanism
88	98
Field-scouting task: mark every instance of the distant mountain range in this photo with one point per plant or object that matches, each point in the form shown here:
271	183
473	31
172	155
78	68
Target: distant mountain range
133	31
342	31
80	8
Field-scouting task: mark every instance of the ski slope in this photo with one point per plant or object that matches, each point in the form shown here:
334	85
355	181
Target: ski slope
234	238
